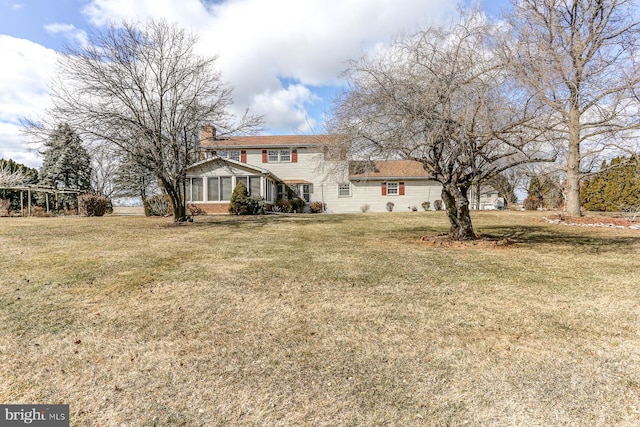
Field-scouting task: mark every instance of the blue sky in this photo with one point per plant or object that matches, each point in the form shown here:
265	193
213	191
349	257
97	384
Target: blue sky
283	57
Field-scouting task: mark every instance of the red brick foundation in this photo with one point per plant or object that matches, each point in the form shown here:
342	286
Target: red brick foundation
213	208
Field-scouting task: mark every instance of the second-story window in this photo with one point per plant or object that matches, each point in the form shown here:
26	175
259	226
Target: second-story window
232	155
285	155
279	156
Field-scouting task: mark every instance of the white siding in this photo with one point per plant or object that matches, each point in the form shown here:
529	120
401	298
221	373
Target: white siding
326	176
307	168
369	192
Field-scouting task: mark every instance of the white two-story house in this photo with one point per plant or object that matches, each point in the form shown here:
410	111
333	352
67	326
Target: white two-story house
312	167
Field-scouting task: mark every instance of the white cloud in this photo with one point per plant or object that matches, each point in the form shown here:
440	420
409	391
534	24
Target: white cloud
24	84
14	146
279	55
259	42
285	108
69	31
187	12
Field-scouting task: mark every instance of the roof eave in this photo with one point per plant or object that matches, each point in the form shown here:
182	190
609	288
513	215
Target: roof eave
265	172
388	178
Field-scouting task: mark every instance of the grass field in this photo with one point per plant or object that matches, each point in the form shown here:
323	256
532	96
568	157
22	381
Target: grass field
320	320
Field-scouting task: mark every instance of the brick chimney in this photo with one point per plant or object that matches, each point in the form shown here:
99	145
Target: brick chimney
208	132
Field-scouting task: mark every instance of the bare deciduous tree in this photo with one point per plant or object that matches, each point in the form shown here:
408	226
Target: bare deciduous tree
104	164
142	89
506	184
442	97
580	58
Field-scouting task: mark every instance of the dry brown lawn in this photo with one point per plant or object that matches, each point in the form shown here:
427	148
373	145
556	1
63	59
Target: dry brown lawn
320	320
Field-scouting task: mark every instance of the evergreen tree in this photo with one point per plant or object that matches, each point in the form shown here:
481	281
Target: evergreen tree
66	164
238	205
615	188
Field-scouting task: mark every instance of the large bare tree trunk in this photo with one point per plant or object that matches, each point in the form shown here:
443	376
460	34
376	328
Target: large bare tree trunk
177	200
572	187
457	207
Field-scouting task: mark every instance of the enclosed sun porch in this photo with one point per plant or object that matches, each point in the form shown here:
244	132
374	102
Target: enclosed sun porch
209	183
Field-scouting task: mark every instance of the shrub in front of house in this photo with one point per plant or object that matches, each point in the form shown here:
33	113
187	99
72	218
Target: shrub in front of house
317	207
195	210
238	204
426	205
256	205
297	205
437	205
243	204
283	206
390	206
92	204
365	208
289	206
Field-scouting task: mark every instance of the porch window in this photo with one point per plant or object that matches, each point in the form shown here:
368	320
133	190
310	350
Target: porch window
194	188
243	180
226	188
268	189
254	185
213	189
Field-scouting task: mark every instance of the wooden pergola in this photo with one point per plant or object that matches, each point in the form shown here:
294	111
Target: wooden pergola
38	189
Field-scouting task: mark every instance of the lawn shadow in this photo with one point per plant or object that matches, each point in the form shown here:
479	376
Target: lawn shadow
580	239
237	221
